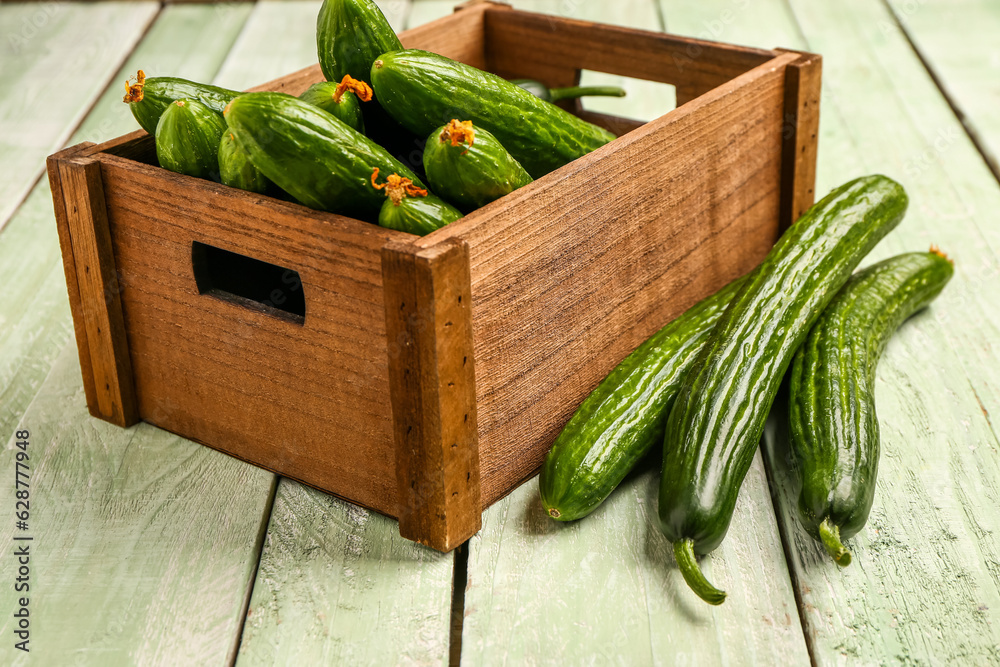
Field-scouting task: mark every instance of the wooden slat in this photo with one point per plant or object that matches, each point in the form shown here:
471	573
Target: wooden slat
132	530
605	591
923	586
428	301
584	298
803	80
337	585
957	40
98	285
36	318
48	81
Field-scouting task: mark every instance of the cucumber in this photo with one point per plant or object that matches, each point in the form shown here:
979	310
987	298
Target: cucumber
621	420
343	99
541	91
235	168
409	208
187	139
310	154
149	98
833	427
350	35
469	167
421	90
718	417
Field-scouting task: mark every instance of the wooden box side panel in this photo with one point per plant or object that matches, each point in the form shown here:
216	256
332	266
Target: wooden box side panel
309	399
572	272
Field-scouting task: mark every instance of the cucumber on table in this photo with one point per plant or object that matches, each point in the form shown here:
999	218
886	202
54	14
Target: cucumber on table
624	417
187	139
718	417
310	154
350	35
235	168
343	99
469	167
833	427
149	98
410	208
421	90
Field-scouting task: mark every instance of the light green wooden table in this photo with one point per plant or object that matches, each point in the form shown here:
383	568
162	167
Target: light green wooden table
151	550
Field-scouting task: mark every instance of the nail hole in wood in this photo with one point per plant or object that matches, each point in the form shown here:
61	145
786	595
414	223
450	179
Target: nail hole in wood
454	445
468	476
447	324
408	430
460	299
454	493
464	360
86	269
466	417
402	305
451	384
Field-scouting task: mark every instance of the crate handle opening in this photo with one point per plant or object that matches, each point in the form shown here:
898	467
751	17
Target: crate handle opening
248	282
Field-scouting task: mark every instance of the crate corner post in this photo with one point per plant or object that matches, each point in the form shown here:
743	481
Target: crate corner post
800	135
432	389
93	284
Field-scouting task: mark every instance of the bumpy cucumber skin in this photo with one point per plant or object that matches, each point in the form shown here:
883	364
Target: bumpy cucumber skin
235	168
418	215
624	417
310	154
471	176
833	426
187	139
717	419
158	92
350	35
348	109
422	90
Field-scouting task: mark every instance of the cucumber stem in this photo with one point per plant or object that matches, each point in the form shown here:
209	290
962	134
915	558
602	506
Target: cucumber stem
684	553
829	534
581	91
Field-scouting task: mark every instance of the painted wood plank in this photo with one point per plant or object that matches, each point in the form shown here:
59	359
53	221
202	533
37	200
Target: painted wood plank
144	545
923	587
336	584
644	100
958	40
57	59
34	317
606	589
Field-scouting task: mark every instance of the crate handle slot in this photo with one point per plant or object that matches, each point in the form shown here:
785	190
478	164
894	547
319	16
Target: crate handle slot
248	282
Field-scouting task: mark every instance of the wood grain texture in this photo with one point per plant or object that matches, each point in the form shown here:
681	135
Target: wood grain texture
557	301
337	585
144	545
35	318
803	83
428	303
923	585
240	379
606	591
57	59
957	41
98	290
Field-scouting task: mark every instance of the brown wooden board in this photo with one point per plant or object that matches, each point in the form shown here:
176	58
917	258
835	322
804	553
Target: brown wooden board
383	387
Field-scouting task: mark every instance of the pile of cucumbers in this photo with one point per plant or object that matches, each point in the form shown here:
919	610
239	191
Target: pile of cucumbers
703	385
405	138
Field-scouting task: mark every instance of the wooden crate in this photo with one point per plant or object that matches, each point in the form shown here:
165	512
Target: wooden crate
426	377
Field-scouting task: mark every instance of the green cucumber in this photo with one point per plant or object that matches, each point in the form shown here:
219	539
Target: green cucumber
421	90
833	427
469	167
541	91
235	168
310	154
187	139
409	208
717	419
149	98
343	99
624	417
350	35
